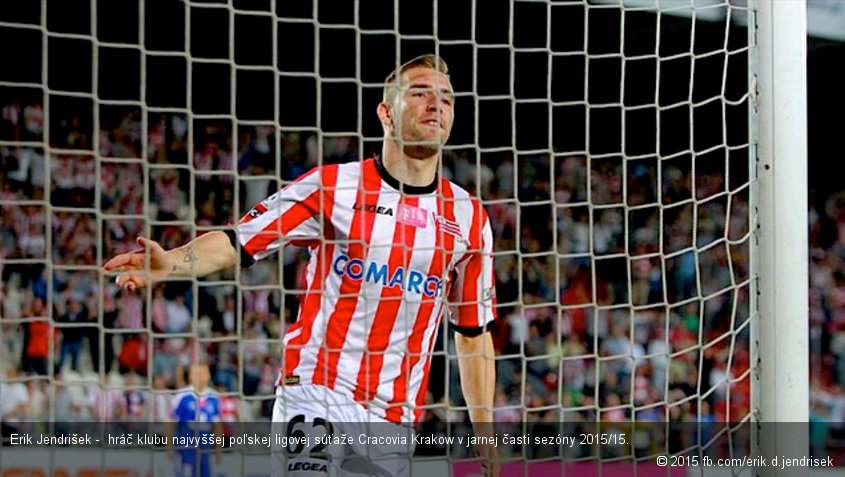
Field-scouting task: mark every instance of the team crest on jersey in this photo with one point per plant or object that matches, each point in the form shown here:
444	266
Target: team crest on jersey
448	226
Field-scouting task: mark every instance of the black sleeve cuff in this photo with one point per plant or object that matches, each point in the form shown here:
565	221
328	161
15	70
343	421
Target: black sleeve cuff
246	259
472	331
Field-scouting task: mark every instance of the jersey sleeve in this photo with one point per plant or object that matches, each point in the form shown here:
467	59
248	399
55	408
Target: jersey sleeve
177	406
290	215
473	291
214	409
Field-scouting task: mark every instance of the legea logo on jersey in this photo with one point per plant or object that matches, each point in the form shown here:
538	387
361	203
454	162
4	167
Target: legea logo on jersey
373	209
375	272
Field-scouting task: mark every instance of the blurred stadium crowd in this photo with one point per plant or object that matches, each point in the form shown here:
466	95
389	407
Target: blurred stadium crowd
589	253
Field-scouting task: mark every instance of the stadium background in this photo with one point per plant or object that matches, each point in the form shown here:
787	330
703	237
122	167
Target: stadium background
549	333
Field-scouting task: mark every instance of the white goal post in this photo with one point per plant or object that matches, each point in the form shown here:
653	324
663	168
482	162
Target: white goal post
783	325
781	84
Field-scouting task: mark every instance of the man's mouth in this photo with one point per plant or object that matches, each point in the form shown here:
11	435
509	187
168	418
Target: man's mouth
432	123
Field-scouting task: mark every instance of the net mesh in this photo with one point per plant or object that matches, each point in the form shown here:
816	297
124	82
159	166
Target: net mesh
609	142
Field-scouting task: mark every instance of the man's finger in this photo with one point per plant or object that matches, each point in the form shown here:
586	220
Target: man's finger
137	259
131	282
152	244
117	261
134	258
136	282
489	457
494	469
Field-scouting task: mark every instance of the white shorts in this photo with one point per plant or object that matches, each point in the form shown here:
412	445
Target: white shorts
323	432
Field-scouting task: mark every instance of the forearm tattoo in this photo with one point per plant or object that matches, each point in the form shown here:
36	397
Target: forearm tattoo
189	258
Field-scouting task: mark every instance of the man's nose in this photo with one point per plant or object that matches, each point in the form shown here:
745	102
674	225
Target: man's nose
432	99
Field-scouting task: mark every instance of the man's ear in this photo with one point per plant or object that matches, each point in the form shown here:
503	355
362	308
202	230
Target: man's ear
385	114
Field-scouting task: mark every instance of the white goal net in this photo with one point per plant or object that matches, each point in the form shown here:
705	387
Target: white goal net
610	142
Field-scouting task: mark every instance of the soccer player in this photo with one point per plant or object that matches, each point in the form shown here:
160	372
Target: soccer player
196	412
391	244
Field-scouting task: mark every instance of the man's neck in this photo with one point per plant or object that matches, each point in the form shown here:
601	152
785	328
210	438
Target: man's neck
409	170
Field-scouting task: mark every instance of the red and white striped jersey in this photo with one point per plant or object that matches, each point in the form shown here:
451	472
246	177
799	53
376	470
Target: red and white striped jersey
383	266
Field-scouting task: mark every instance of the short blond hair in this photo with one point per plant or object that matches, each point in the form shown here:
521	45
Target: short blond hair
391	84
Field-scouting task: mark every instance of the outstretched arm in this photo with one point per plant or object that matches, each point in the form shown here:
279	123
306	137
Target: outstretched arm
209	253
288	215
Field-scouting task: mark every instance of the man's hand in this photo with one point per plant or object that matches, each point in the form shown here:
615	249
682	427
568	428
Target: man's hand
488	457
209	253
161	265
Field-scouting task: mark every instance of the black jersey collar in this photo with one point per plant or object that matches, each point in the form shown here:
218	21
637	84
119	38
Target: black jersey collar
406	188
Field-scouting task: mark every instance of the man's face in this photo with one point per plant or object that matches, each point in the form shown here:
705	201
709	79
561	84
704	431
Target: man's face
425	111
200	376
